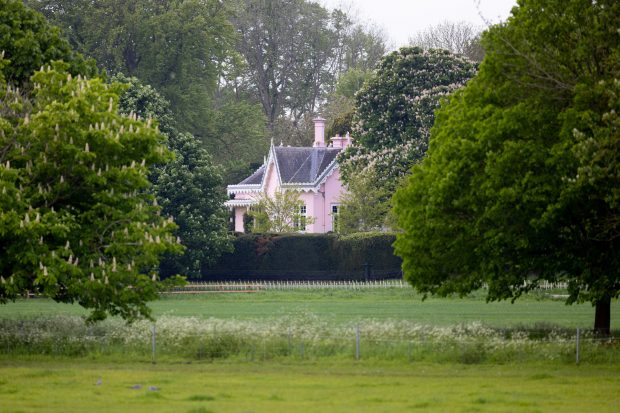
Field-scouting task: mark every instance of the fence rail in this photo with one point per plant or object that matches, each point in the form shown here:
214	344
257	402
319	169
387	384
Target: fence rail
244	286
255	286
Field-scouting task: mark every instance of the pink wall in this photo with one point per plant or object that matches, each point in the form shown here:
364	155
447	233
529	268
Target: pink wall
271	180
333	192
319	204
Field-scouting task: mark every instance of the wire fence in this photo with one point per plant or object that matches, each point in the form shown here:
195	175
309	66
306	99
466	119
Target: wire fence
468	345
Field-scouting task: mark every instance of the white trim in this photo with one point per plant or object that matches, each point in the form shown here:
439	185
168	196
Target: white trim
273	156
233	203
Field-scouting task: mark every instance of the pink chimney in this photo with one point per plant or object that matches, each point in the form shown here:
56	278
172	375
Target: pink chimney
319	132
341	141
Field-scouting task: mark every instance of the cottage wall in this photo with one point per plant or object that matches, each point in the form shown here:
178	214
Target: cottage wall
333	192
319	204
271	180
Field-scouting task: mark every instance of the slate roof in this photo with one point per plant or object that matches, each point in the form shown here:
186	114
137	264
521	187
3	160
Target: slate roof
256	178
297	165
303	165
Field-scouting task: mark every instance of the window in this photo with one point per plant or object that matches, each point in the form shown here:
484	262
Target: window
300	219
335	218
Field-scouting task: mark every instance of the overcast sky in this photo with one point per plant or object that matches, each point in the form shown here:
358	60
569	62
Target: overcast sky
402	18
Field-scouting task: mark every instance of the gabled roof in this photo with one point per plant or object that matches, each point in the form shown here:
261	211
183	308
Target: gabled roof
295	166
256	178
303	165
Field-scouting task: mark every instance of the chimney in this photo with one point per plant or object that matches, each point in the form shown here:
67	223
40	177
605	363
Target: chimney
341	141
319	132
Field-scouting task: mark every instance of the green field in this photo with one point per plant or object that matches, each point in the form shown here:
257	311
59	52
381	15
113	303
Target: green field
440	367
70	386
347	306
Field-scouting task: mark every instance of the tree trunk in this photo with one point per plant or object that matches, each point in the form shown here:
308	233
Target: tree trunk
602	317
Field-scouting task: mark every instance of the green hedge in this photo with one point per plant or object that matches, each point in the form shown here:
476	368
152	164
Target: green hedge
308	256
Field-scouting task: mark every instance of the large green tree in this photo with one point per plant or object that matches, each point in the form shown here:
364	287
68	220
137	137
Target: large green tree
189	188
522	178
392	116
77	222
179	47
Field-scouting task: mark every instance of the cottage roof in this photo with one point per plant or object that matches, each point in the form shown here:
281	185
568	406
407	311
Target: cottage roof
295	166
256	178
303	165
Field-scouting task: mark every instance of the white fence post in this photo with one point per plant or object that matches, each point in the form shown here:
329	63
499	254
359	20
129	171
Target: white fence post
154	333
577	345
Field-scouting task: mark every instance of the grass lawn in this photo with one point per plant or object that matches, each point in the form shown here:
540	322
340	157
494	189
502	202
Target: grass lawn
344	306
63	385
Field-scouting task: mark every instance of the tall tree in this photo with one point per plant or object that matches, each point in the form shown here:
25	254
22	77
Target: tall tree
295	51
521	180
458	37
189	188
286	45
178	47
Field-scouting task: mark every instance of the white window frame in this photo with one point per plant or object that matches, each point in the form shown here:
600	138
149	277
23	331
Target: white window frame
300	220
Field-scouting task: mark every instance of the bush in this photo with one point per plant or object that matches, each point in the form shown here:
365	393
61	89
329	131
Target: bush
308	256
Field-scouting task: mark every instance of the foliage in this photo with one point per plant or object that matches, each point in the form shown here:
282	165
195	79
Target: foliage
340	105
238	136
188	188
178	47
279	213
364	206
458	37
395	111
146	102
295	51
521	182
29	42
77	222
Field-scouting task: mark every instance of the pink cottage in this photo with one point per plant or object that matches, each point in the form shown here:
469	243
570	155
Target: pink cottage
313	172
